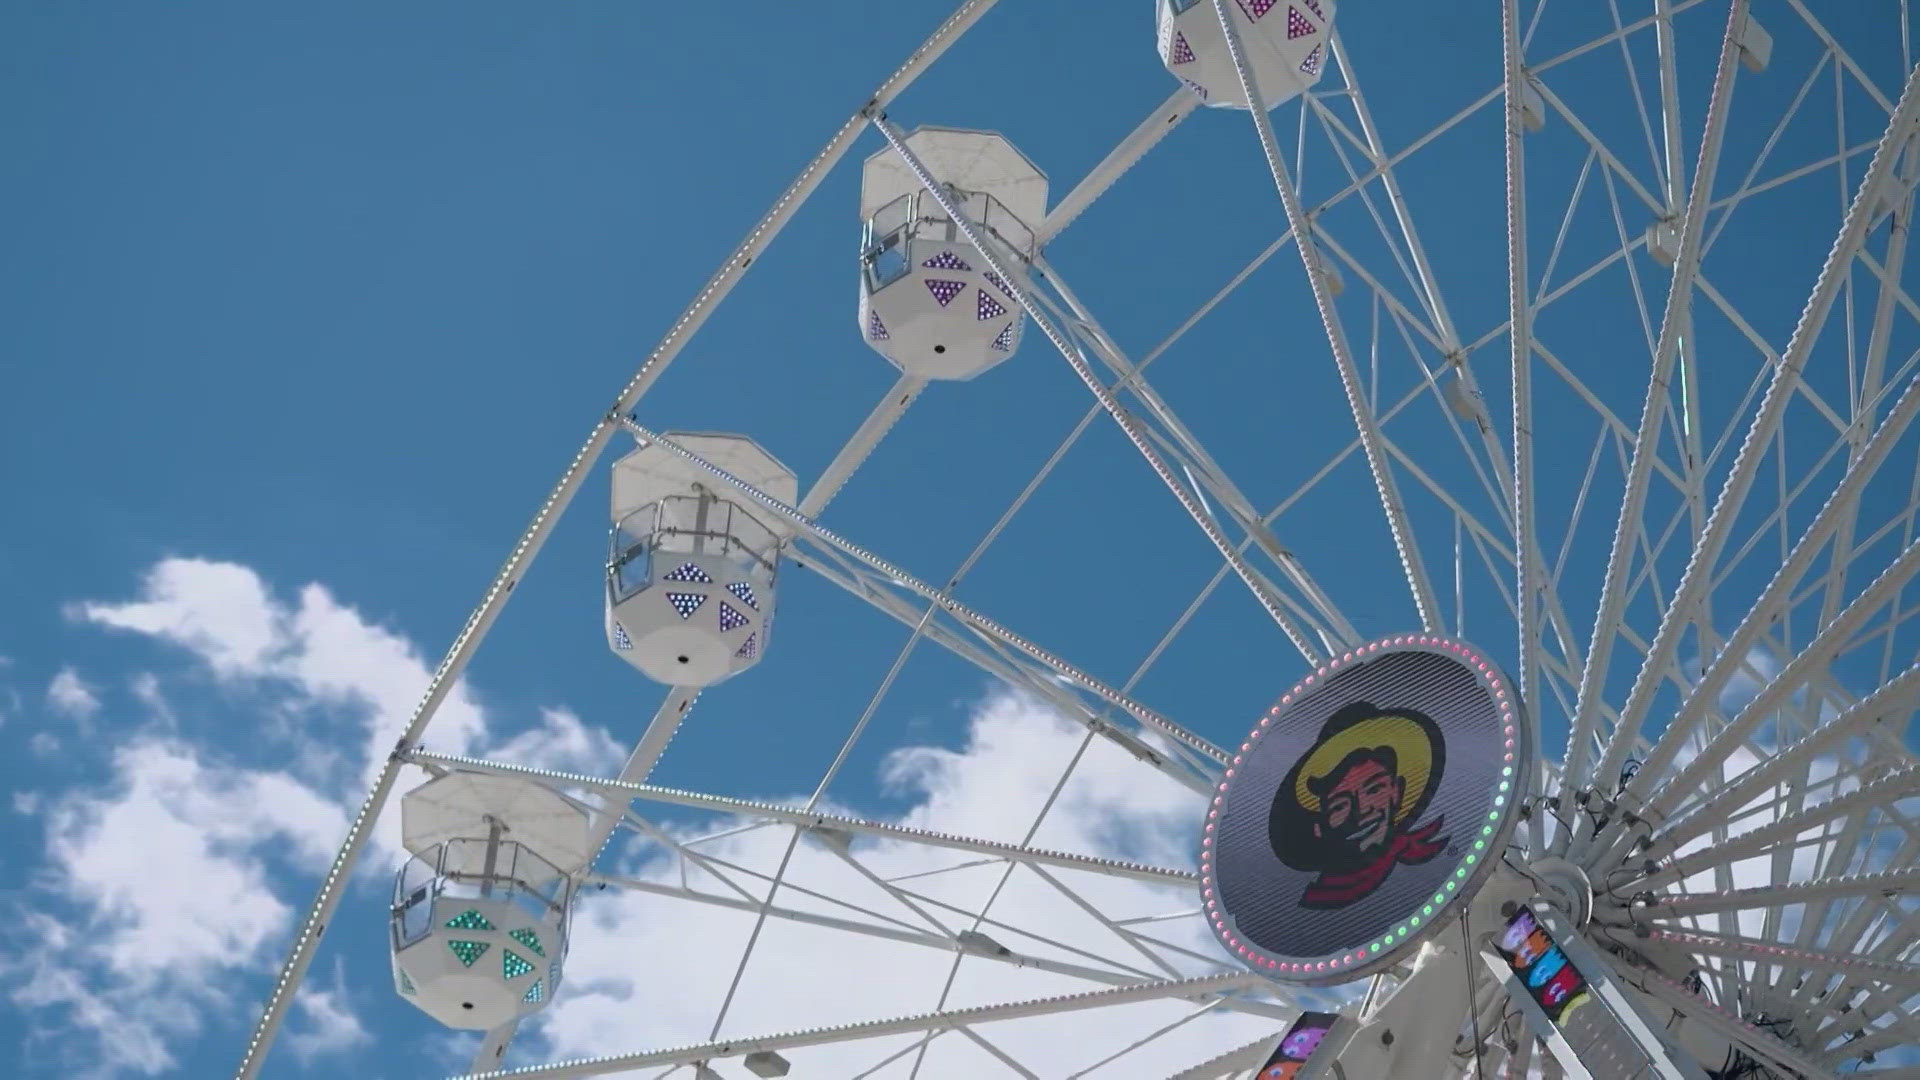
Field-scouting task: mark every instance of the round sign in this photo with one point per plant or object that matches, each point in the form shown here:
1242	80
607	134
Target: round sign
1365	806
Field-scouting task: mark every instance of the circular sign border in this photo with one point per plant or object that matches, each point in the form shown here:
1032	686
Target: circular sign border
1468	875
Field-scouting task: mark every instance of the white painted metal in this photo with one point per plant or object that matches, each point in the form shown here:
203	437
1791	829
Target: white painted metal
929	1022
1779	826
463	806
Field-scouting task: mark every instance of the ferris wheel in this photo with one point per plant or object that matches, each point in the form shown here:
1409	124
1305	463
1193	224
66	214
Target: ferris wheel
1653	814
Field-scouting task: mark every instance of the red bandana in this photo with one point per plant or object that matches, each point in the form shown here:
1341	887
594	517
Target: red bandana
1410	847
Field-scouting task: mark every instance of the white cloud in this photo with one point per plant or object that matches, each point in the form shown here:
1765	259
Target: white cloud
237	844
671	960
175	872
70	696
219	610
167	870
147	691
324	1022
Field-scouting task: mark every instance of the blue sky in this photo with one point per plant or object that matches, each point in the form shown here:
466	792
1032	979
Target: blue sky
305	309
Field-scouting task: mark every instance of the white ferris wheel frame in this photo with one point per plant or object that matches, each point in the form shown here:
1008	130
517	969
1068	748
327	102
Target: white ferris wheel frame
1645	817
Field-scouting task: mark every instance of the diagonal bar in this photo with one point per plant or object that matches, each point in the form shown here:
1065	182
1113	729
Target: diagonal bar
966	614
1370	438
1696	581
1260	589
814	819
948	1020
1674	322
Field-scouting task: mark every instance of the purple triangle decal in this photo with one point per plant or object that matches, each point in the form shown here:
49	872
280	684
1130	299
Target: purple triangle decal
1297	24
1004	342
1311	65
944	291
946	260
988	307
1182	53
876	330
1256	8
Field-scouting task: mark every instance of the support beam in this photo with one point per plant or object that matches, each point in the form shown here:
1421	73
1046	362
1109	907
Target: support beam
1898	784
1892	701
1185	765
1699	1010
813	819
1867	207
953	607
1675	906
1158	125
1646	446
1411	563
878	422
1778	594
949	1020
1520	337
1023	295
646	753
1799	672
1334	628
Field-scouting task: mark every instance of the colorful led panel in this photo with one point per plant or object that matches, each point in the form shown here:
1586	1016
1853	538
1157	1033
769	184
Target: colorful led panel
1297	24
1296	1047
686	603
744	591
1366	803
946	260
1550	978
527	937
944	291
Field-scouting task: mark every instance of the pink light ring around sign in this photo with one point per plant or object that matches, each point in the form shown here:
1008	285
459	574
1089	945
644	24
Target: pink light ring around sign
1488	675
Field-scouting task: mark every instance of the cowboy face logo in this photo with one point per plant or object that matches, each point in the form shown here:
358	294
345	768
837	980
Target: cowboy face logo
1349	808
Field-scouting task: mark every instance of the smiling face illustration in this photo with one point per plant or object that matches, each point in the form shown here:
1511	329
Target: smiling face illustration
1359	799
1349	807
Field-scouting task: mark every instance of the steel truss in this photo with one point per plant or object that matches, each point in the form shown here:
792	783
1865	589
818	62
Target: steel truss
1806	781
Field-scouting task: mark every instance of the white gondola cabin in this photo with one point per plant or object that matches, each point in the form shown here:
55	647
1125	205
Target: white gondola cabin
690	573
479	918
1286	42
928	301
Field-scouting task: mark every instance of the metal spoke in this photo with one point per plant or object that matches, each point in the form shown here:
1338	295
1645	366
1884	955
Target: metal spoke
1410	560
925	1022
1613	597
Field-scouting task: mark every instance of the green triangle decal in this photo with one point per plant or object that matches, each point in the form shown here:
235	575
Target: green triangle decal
527	937
468	951
469	920
513	965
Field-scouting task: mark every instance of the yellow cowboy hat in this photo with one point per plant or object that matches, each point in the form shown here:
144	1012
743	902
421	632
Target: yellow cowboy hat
1410	742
